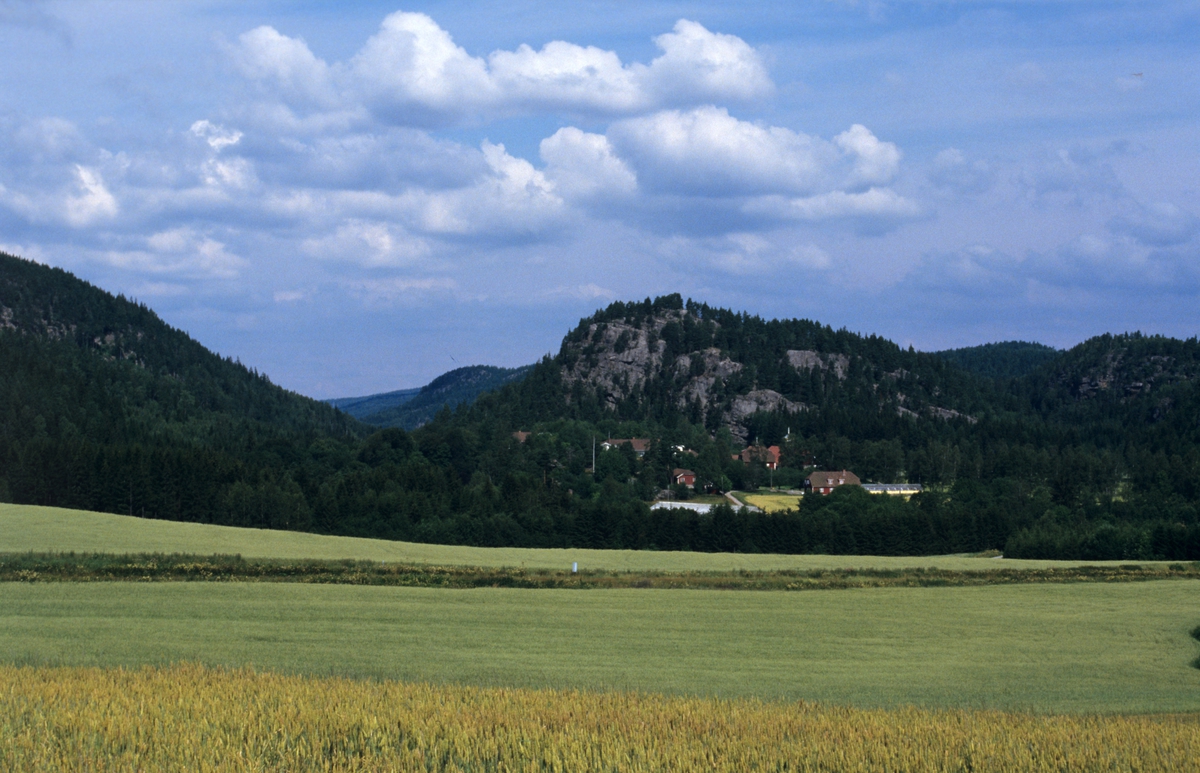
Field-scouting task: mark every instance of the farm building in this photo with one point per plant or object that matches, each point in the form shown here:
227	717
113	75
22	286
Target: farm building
640	445
682	477
893	489
826	482
768	456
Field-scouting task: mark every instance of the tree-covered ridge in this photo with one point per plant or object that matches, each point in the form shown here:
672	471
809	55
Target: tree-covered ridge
459	386
103	406
56	307
1002	361
358	407
723	369
151	424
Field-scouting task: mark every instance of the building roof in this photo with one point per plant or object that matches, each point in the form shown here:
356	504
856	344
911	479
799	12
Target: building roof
893	488
828	478
639	444
760	454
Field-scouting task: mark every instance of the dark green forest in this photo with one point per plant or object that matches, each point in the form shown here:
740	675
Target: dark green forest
461	385
1001	361
1090	453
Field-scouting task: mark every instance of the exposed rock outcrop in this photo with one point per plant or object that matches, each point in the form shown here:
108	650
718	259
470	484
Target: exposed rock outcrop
745	406
934	411
617	358
949	414
702	370
1129	376
805	359
628	358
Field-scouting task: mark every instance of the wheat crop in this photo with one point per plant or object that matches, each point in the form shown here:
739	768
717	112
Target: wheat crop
194	718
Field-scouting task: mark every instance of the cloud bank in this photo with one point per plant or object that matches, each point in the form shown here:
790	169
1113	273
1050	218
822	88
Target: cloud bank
420	169
411	72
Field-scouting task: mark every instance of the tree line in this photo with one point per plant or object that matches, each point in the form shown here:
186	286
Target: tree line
103	407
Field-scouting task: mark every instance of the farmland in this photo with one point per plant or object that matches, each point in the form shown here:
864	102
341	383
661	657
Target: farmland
26	528
1075	648
191	718
771	502
297	675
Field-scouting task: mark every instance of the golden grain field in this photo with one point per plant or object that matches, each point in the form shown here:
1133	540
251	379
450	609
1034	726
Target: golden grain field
772	503
193	718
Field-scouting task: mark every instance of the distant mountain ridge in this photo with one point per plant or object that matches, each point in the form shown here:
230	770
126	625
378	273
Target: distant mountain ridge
1003	360
411	408
360	407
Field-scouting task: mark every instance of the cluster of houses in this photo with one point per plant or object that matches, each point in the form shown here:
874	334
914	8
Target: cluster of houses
820	482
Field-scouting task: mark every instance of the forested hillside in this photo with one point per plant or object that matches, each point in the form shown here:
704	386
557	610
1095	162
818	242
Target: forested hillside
103	406
1005	360
1093	454
358	407
459	386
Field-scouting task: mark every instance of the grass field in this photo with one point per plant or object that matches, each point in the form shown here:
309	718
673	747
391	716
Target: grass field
44	529
1064	648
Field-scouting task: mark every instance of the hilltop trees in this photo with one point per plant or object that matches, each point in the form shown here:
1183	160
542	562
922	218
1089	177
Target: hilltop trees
1093	453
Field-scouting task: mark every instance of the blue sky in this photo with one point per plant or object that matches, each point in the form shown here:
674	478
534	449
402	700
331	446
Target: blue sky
357	197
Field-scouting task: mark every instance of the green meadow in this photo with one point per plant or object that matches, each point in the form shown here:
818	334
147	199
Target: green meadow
25	528
1074	647
1086	647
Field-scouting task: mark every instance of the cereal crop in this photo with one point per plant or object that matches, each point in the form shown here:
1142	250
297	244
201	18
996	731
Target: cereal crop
193	718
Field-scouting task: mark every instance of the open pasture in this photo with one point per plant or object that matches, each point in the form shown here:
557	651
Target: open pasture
1064	648
26	528
190	718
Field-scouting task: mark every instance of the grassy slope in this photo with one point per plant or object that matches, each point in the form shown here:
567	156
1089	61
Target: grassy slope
1082	647
26	528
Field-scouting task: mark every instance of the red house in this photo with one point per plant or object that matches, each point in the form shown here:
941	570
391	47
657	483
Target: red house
768	456
682	477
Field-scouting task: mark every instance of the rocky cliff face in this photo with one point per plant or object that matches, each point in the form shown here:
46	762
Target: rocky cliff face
616	358
628	358
805	359
676	358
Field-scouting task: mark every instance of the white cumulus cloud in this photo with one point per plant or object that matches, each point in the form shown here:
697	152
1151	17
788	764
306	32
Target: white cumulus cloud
368	243
699	66
875	203
181	252
583	165
512	198
265	55
93	201
411	72
706	151
217	137
875	162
